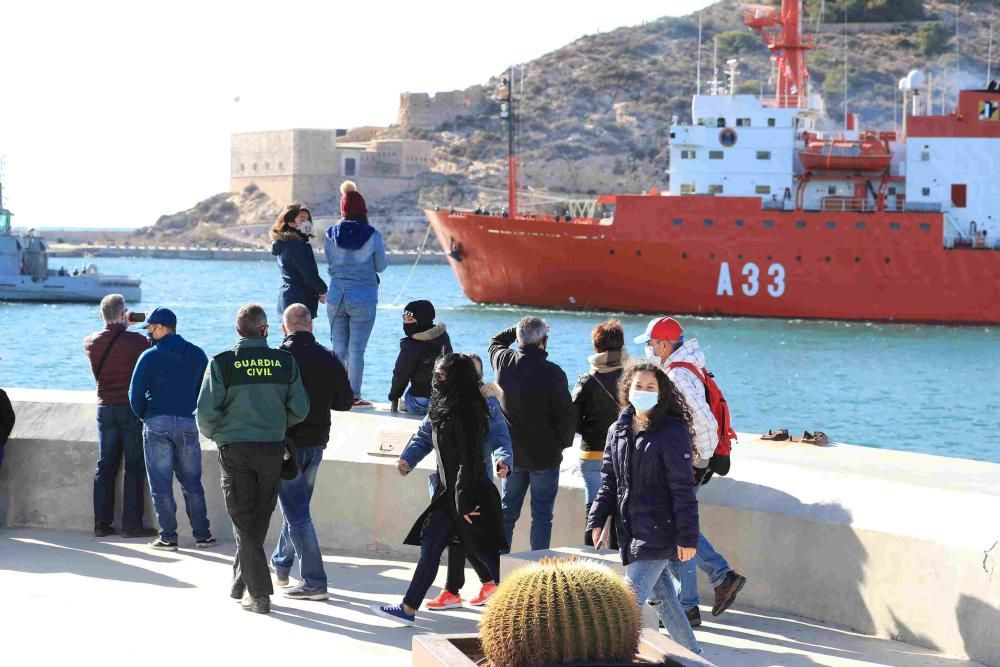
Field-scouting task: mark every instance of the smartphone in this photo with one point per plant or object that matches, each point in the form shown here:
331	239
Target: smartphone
134	317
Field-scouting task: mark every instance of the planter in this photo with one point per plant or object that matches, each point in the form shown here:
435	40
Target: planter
465	651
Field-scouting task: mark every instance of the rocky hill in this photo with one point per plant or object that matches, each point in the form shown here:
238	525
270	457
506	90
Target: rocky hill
595	114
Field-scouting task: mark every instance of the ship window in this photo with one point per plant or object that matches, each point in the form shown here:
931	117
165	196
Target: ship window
831	224
831	190
720	122
709	222
769	223
678	221
770	122
925	226
742	122
688	155
738	223
860	225
892	191
687	188
893	225
925	192
763	155
925	156
800	223
763	189
715	189
715	155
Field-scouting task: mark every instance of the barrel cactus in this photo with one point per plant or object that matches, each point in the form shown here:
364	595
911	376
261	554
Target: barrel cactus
561	611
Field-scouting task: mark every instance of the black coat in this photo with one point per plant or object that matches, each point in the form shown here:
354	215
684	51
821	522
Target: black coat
415	363
325	381
462	487
650	479
6	417
596	402
300	281
536	402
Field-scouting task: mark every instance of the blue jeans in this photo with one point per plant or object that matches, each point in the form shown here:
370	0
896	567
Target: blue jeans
2	446
119	435
172	448
416	405
651	581
298	535
709	561
591	472
544	485
350	327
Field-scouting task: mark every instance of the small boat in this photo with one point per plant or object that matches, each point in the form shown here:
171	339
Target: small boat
25	274
867	153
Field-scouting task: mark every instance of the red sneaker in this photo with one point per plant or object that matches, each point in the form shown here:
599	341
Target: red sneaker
361	403
484	594
444	601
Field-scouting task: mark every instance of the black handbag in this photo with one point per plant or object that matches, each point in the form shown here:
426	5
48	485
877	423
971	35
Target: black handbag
290	462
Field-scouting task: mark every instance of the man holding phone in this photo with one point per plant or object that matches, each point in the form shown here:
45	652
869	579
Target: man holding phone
113	352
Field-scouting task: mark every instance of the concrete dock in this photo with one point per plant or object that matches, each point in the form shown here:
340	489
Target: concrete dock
69	597
886	544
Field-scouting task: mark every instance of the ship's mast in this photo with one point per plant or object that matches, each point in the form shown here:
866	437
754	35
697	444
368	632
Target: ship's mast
507	113
783	34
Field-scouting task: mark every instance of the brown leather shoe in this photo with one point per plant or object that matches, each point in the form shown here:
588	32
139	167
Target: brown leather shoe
725	593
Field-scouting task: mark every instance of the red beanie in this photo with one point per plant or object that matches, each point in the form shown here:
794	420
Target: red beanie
352	204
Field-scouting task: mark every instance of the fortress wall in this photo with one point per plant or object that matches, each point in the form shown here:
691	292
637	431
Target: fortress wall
888	543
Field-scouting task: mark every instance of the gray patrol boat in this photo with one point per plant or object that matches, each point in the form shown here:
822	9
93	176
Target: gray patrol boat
25	274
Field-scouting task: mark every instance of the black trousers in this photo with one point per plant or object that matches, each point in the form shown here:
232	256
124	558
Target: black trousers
457	556
251	475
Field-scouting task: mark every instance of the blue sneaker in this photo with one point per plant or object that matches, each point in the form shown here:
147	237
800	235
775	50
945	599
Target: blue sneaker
394	612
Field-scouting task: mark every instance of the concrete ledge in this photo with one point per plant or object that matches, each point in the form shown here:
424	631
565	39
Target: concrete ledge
885	543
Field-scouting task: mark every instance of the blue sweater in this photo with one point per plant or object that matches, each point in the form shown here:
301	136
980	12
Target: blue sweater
167	379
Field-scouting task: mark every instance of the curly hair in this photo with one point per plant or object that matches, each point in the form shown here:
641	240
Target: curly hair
455	394
671	404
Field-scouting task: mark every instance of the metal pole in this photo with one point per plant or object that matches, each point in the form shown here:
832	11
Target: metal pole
698	87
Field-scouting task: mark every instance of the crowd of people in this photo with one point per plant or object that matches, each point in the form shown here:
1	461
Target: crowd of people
652	433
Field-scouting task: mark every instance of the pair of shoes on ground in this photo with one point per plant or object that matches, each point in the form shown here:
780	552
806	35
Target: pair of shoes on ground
725	595
239	592
163	545
818	438
449	600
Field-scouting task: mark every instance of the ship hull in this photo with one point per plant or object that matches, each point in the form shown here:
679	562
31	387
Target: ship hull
68	289
727	256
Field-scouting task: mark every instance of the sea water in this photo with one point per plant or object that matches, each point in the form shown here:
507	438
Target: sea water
919	388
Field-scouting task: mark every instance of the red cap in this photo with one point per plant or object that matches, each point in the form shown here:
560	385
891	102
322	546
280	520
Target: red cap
661	328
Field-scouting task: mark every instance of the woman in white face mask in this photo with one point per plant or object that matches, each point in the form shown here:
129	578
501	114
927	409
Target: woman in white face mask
300	281
648	478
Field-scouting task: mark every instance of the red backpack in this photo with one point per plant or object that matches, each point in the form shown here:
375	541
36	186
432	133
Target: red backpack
717	404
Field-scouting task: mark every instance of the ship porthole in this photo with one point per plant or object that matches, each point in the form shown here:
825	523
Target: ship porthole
612	251
857	259
769	258
712	256
739	257
887	260
827	258
638	253
798	258
684	255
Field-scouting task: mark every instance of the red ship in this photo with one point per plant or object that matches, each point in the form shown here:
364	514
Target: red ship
768	215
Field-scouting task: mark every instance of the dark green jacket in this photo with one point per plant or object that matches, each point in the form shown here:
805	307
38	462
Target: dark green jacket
252	393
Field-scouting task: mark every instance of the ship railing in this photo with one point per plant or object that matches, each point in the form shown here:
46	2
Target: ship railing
848	205
923	207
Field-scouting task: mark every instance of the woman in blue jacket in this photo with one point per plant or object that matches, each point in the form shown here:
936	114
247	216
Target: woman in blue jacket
356	255
300	281
498	455
648	478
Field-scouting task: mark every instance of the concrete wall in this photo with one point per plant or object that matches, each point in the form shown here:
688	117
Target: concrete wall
887	543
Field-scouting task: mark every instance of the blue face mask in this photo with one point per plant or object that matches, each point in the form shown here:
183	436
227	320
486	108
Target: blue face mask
642	400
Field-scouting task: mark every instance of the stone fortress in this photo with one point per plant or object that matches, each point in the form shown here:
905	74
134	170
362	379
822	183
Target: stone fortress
308	165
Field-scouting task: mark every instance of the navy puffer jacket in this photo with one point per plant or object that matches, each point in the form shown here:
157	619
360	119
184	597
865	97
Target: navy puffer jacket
649	478
300	281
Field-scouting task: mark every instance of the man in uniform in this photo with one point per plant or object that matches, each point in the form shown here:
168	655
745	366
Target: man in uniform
250	397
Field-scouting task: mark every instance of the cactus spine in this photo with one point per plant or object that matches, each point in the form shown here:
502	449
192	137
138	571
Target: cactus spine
561	611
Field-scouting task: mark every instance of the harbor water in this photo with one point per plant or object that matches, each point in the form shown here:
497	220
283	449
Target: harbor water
919	388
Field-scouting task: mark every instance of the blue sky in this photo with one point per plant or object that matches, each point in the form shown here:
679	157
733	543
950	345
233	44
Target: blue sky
113	113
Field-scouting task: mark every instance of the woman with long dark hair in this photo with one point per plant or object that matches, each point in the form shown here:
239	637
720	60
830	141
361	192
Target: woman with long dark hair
466	504
649	479
300	281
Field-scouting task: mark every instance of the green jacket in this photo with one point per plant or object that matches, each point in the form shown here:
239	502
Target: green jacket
252	393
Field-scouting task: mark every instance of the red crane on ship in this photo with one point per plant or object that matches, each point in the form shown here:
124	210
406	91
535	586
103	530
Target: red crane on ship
782	32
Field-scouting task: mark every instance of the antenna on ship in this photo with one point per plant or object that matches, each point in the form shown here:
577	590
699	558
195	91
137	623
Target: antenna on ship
845	69
507	113
715	65
958	55
698	77
989	58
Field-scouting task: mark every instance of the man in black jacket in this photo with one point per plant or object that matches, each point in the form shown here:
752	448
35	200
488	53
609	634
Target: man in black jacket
325	381
538	408
6	421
